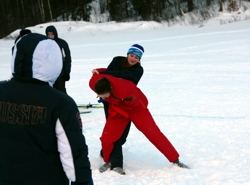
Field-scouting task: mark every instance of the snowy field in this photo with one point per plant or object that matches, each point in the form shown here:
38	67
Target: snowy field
197	80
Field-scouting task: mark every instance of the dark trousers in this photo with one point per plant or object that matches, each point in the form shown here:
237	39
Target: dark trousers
116	157
60	84
86	183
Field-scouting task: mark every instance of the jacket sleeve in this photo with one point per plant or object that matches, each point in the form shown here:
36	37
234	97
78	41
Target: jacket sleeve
100	70
67	58
132	74
71	144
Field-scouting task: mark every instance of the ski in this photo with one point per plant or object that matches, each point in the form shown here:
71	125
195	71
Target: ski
90	106
85	111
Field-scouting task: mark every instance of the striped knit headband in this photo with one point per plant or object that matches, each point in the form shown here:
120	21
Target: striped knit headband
136	49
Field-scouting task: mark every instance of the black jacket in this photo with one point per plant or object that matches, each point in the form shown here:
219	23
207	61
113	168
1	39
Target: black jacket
115	68
133	73
40	127
64	48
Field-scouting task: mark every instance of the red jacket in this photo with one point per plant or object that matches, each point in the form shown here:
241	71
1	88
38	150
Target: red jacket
136	111
122	89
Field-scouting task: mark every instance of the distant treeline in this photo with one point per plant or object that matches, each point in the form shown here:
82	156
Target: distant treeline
18	14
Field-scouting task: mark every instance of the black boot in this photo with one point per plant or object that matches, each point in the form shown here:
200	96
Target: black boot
180	164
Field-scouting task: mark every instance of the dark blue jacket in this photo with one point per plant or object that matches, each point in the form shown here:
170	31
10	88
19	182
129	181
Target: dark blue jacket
40	127
64	48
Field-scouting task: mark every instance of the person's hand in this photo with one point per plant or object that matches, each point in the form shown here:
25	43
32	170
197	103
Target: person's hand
66	77
100	100
94	71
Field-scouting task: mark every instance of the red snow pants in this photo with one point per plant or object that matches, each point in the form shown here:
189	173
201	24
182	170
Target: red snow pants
145	123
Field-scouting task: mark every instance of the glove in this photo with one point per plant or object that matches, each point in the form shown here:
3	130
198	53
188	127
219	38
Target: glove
100	100
66	77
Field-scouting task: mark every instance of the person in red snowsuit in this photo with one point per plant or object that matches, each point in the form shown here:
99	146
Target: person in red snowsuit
128	68
127	102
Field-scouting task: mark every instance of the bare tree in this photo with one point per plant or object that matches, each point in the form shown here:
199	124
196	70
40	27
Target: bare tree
233	6
41	7
23	12
208	2
50	11
18	12
156	7
179	7
221	7
5	27
190	5
103	5
169	3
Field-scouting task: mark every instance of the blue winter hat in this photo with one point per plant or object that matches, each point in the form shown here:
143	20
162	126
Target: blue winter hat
136	49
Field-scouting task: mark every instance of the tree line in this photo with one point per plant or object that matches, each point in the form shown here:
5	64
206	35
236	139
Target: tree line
19	14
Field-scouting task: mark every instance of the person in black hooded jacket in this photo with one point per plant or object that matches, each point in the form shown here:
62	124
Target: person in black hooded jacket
40	127
21	34
51	32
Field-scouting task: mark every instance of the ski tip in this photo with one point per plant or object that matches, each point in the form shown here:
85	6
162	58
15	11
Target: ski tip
85	112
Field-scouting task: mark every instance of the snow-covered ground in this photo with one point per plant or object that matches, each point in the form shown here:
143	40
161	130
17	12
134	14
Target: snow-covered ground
197	80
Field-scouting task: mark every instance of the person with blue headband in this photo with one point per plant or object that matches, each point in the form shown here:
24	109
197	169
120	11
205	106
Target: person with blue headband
137	50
